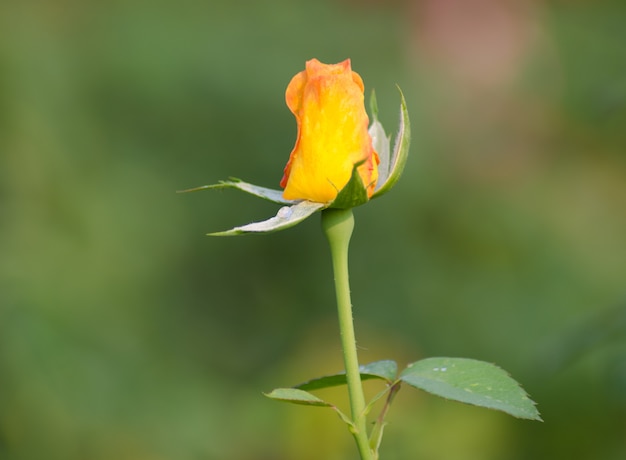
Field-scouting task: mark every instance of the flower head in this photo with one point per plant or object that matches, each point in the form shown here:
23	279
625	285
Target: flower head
337	161
327	101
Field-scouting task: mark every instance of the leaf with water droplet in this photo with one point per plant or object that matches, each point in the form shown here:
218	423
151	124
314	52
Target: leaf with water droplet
287	216
472	382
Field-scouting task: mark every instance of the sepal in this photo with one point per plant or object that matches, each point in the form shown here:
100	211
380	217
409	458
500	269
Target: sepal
391	167
380	141
287	216
353	193
275	196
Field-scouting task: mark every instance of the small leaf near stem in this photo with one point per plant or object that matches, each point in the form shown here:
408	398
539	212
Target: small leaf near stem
296	396
382	370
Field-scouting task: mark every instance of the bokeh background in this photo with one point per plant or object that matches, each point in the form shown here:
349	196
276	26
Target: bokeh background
126	333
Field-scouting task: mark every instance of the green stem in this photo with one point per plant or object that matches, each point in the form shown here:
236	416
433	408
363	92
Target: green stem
338	225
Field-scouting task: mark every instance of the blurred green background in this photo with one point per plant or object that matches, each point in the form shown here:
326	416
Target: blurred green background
125	333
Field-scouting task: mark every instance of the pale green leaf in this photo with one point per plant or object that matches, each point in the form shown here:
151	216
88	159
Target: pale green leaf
269	194
400	152
287	216
380	141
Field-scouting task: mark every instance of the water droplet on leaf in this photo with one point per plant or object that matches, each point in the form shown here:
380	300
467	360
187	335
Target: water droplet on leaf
284	212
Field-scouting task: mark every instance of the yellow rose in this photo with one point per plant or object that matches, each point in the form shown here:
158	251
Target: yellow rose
327	101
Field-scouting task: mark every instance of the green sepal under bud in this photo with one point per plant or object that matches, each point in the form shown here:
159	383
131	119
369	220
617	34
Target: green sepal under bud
292	214
353	193
275	196
380	141
390	167
287	217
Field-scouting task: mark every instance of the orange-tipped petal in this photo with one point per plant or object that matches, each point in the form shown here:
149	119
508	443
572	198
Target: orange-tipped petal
327	101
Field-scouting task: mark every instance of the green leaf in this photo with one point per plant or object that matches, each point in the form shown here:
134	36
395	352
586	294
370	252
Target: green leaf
287	216
383	370
472	382
353	193
400	153
297	396
276	196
